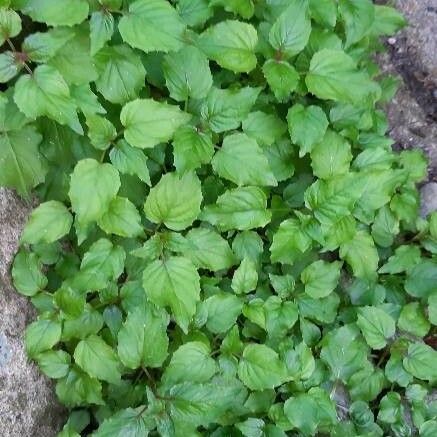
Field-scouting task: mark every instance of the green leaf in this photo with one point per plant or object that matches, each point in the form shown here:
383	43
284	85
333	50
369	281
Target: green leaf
208	250
321	278
300	362
100	182
10	24
130	160
54	364
173	283
143	341
311	411
387	20
22	165
194	12
281	77
242	208
59	13
238	148
190	363
360	253
403	260
420	362
421	279
41	336
121	73
97	359
46	93
42	46
148	122
376	325
324	12
101	131
280	316
121	218
331	156
291	31
260	368
191	148
27	275
74	61
412	320
101	29
264	128
358	16
49	222
222	310
245	277
152	25
9	66
126	423
187	74
224	109
174	201
289	242
251	427
307	126
333	75
231	44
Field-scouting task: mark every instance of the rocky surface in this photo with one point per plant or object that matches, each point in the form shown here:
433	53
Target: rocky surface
28	406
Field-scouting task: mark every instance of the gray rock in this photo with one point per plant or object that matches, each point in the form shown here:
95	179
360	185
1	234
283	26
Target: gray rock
28	406
428	194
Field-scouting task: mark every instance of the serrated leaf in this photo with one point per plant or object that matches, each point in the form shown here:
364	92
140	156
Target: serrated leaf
49	222
281	77
121	218
10	24
231	44
97	359
174	201
403	260
191	148
187	74
208	250
190	363
130	160
22	164
101	29
27	274
333	75
376	325
59	13
324	12
264	128
260	368
421	280
222	310
148	122
307	126
46	93
321	278
358	16
9	66
237	148
100	182
245	277
120	73
143	341
152	25
100	131
173	283
194	12
41	335
420	362
290	33
242	208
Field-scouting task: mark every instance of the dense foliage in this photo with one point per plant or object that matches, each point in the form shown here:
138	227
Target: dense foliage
226	244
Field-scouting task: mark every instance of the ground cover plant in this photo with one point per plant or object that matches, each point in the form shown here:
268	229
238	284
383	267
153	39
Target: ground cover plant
226	244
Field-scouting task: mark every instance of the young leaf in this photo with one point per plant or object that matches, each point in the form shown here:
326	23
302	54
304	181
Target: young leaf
321	278
231	44
148	122
376	325
100	182
143	341
242	208
174	201
152	25
260	368
41	335
46	93
97	359
27	275
358	16
264	128
100	131
239	148
245	277
10	24
281	77
49	222
420	362
187	74
173	283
